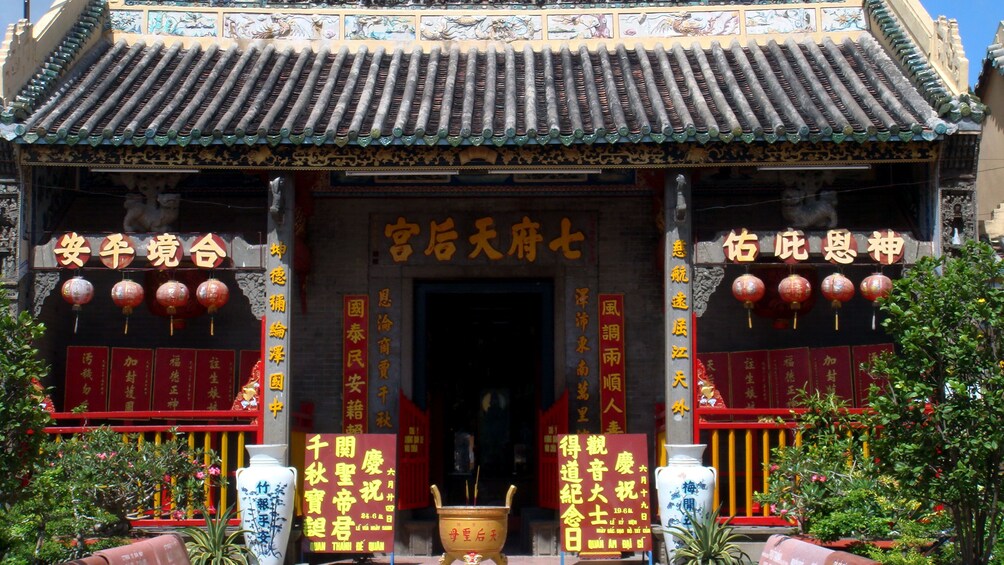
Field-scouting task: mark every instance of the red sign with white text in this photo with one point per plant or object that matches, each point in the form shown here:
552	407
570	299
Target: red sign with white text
86	378
131	378
214	379
355	363
613	379
348	492
173	379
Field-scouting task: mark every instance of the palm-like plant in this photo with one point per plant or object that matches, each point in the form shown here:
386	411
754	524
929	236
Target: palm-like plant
212	545
708	541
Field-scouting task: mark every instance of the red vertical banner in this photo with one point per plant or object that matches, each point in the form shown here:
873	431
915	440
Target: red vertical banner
86	378
355	363
130	380
413	453
716	371
613	380
214	379
348	492
831	371
750	377
248	357
863	380
173	379
790	372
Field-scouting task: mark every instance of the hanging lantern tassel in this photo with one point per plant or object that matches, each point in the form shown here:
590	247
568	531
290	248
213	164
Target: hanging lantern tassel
748	289
212	294
77	291
837	289
874	287
794	289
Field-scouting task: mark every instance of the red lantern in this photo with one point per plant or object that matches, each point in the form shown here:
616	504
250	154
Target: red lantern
172	295
748	289
837	289
77	291
212	294
127	295
794	290
874	287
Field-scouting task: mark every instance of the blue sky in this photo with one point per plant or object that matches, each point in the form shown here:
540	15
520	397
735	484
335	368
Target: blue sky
978	21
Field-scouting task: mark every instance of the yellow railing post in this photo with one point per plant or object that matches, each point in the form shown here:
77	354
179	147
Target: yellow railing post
766	464
732	473
717	464
749	472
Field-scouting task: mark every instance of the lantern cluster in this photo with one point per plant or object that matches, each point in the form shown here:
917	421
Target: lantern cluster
128	294
795	290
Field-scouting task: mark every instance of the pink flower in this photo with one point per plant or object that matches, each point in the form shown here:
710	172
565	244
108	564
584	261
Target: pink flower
774	467
102	456
773	508
178	515
214	471
200	475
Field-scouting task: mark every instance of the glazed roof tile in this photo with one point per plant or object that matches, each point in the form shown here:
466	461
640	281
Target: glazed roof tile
138	94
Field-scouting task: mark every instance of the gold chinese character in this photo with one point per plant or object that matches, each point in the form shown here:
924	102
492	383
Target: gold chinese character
275	381
791	244
611	356
525	237
481	240
610	308
72	250
119	249
679	274
400	233
885	247
679	301
275	407
277	302
680	379
838	247
207	252
581	320
164	251
741	247
582	391
356	308
566	239
610	332
355	333
277	354
383	298
277	330
679	352
679	249
582	297
441	238
680	407
680	327
277	249
278	276
582	369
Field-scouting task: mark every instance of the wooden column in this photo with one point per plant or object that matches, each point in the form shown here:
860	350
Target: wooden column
278	305
678	306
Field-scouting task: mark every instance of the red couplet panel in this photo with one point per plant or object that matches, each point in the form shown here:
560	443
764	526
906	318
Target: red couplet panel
750	379
173	379
831	371
86	378
214	379
348	492
130	380
355	363
790	372
863	380
604	494
613	379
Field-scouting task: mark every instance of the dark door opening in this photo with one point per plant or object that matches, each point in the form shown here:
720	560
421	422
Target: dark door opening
483	368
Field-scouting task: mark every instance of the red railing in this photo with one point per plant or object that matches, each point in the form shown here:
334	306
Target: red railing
225	432
739	446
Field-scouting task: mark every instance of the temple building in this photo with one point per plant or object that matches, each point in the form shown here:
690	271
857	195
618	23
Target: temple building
475	225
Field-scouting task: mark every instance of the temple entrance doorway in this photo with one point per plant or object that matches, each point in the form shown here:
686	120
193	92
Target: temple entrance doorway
484	366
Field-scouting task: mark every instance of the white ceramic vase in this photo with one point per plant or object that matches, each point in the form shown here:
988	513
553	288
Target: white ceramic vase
683	486
265	492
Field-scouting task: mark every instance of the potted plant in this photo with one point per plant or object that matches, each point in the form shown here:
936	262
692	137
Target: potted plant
707	540
214	545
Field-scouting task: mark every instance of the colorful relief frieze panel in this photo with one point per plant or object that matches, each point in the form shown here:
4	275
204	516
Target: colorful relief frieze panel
844	19
185	24
795	20
679	24
580	26
280	26
385	28
493	28
126	21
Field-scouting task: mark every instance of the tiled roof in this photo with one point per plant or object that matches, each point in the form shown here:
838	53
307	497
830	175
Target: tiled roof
163	94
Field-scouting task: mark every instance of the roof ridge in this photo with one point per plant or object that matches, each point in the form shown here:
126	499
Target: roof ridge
915	64
57	63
